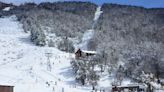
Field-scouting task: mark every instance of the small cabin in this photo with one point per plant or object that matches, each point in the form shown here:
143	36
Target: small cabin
78	53
6	88
130	88
84	53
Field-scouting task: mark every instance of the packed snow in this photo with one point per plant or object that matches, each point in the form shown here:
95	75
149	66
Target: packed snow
89	33
98	13
86	37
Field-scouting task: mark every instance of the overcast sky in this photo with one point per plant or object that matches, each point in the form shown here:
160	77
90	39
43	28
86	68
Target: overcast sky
144	3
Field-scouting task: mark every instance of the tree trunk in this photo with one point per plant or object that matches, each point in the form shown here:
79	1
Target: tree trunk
93	87
83	81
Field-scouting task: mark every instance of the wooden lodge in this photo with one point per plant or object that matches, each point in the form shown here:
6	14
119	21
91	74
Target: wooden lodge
84	53
6	88
130	88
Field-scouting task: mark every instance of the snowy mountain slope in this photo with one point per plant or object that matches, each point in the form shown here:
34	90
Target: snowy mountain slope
24	65
89	33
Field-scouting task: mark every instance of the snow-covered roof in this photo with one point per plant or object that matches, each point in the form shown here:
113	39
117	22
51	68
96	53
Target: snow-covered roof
6	84
6	9
132	85
86	51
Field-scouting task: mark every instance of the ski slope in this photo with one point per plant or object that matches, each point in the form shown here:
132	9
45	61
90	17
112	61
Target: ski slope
87	36
24	65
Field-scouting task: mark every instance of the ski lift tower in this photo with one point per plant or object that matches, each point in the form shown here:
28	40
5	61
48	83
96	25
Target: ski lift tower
48	54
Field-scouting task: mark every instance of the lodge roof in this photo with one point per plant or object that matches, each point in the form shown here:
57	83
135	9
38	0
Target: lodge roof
132	86
86	51
6	85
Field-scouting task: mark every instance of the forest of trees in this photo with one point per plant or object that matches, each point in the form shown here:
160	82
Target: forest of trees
132	36
61	18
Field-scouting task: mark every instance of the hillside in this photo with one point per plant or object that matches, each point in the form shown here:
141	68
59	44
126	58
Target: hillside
25	66
132	35
65	18
121	45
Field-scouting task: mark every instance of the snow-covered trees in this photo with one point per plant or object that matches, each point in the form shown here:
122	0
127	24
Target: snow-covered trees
120	74
85	73
40	40
37	18
81	75
38	37
133	39
93	78
66	45
51	43
81	68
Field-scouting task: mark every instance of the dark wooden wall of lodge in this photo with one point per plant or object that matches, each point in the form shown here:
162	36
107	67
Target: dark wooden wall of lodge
6	88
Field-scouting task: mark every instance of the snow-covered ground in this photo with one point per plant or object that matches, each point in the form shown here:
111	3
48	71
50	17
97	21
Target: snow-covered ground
98	13
86	37
24	65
